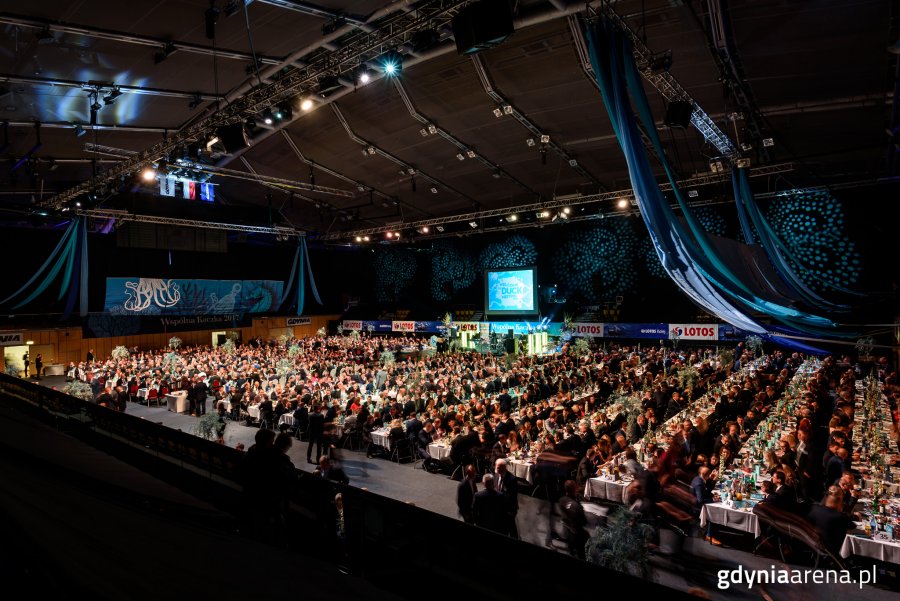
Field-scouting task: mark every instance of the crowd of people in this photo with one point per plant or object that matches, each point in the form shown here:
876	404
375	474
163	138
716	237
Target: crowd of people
576	414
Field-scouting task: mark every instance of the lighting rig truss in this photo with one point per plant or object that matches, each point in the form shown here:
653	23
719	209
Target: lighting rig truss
559	202
122	216
354	49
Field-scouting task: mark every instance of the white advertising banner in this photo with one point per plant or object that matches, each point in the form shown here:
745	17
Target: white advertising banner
694	331
351	325
594	330
403	326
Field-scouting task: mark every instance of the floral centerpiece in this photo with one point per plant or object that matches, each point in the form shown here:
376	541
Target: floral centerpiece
755	345
386	358
120	353
12	370
79	389
228	345
294	351
321	332
174	343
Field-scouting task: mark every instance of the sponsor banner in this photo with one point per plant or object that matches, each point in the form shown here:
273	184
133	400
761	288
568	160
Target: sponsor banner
352	325
403	326
377	326
694	331
636	330
730	332
11	338
99	325
298	321
156	296
594	330
466	326
429	326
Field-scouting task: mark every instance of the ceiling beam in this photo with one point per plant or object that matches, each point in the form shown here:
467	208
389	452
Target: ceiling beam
122	216
313	10
129	38
93	86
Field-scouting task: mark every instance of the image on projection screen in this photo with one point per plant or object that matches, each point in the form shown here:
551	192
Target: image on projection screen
511	291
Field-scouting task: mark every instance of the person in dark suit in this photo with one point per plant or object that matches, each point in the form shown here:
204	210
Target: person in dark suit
26	361
701	486
465	495
508	487
200	390
90	356
488	507
328	472
316	433
830	521
301	419
783	496
423	439
38	366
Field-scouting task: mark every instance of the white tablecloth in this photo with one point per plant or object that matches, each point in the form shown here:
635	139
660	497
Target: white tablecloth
54	369
738	519
439	451
380	438
253	410
599	488
881	550
523	470
142	393
177	401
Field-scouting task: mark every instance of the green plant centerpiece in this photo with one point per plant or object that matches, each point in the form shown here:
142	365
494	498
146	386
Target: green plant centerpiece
726	359
386	358
294	351
755	345
321	333
283	339
80	390
582	347
622	546
283	367
208	425
228	346
120	353
11	370
687	379
175	343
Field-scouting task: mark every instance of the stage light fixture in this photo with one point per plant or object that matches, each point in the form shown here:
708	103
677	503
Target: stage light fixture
573	163
424	132
392	63
440	228
306	104
434	190
267	117
371	150
359	238
366	238
460	156
507	109
498	113
473	224
364	77
513	217
545	139
45	36
768	142
432	129
566	210
622	203
148	174
79	130
471	154
389	235
112	96
529	142
693	193
424	229
397	235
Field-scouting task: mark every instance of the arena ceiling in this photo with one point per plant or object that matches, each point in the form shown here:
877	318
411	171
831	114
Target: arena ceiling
807	97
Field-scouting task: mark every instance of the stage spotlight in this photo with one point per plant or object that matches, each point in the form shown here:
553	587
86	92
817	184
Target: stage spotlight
623	203
148	174
460	156
440	228
432	129
498	113
529	142
473	224
512	217
364	77
389	235
507	109
397	235
365	238
424	132
306	104
267	117
566	210
285	110
471	154
359	238
425	229
370	150
434	190
112	96
545	139
392	63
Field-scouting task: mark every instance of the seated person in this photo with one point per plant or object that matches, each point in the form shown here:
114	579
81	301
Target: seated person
328	472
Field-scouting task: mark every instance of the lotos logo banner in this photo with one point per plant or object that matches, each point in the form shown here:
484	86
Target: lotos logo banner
694	331
403	326
351	325
467	326
11	338
587	329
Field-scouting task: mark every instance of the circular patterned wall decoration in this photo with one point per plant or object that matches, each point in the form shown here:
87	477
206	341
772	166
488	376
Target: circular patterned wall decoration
394	271
515	251
599	262
711	220
451	270
810	223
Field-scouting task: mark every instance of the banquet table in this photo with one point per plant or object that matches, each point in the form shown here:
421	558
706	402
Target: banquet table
54	369
523	469
177	401
872	547
608	490
381	438
253	411
439	451
738	519
142	393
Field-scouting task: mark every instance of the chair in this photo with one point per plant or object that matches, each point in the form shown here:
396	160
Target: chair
267	420
402	450
152	396
785	524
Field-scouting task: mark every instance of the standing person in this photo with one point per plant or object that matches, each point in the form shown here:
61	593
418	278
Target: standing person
508	488
201	390
90	356
465	494
27	362
316	433
488	507
38	365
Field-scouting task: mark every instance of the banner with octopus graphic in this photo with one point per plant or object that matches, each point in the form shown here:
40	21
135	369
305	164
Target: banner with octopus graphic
158	296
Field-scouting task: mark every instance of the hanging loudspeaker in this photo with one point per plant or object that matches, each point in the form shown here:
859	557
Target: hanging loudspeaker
233	137
482	25
678	114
